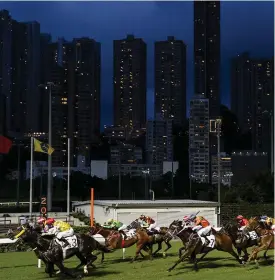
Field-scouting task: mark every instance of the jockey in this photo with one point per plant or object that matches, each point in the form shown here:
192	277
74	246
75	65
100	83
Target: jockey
60	229
202	227
148	220
242	222
111	223
41	221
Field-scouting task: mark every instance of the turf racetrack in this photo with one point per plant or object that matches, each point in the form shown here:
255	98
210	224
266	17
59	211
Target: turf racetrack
217	265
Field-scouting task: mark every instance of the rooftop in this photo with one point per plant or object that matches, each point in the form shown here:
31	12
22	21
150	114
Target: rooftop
149	203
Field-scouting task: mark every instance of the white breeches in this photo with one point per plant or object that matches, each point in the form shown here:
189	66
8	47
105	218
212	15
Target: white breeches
123	227
242	228
204	231
197	228
273	227
152	226
66	233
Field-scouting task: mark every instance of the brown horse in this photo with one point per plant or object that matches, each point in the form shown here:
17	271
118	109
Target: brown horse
265	241
115	240
155	236
195	246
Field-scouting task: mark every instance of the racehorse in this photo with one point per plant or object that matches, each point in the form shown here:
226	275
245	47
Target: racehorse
195	245
241	240
35	243
266	238
55	253
159	236
115	240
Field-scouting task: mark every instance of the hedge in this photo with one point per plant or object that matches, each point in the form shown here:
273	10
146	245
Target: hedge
21	247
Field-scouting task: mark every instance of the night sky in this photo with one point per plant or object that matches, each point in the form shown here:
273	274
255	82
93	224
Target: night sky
245	26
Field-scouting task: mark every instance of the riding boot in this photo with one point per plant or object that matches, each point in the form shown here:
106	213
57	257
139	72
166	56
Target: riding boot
66	243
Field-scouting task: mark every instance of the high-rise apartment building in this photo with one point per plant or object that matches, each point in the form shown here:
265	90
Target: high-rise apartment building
252	98
242	91
25	77
199	160
81	60
5	70
170	80
130	82
159	141
263	101
207	53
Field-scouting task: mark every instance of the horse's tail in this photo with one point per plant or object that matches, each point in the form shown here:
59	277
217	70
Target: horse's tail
102	247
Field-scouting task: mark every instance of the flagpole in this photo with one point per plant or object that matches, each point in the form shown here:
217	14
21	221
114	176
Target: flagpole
31	176
68	180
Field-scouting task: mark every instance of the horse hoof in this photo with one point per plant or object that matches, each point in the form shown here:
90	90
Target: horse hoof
164	255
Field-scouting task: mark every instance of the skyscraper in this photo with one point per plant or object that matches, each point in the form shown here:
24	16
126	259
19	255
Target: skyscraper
82	64
252	98
199	159
25	77
263	101
242	91
159	141
207	53
130	82
170	80
5	70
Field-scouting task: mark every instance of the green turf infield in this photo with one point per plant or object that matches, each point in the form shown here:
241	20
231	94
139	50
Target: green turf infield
217	265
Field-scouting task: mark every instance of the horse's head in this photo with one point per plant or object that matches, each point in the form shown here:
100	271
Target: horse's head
253	223
134	225
176	224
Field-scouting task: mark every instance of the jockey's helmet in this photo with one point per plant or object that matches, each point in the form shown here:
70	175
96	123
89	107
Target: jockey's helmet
110	221
142	217
263	217
50	221
239	217
41	220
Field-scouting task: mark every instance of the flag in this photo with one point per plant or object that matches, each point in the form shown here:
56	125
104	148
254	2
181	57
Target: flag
5	145
42	147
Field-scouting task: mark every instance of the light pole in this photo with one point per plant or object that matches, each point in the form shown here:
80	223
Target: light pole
145	172
119	174
217	129
49	86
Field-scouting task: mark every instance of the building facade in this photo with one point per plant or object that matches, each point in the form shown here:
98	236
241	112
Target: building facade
130	82
199	160
159	141
225	169
207	53
247	164
126	154
170	80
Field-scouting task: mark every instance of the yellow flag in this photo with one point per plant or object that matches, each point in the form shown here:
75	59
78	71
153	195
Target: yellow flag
42	147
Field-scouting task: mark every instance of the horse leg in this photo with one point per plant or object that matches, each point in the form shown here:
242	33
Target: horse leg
180	251
90	259
184	256
102	257
233	253
150	250
255	253
204	254
65	270
139	247
246	255
158	249
168	247
82	259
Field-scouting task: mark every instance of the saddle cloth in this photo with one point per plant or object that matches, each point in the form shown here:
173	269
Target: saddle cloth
72	240
212	240
252	235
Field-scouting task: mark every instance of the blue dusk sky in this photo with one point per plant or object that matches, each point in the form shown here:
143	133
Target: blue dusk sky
245	26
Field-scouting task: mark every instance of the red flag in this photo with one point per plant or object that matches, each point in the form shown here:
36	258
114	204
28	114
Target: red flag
5	145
